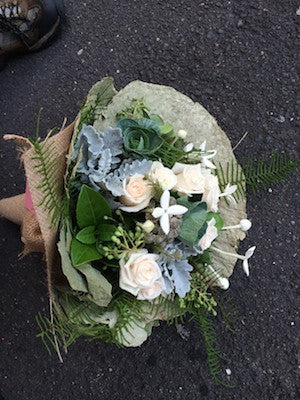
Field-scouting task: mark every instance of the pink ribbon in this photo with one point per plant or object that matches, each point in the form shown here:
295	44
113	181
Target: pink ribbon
28	200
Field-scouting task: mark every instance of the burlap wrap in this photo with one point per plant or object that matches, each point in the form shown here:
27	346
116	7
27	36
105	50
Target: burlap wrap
36	232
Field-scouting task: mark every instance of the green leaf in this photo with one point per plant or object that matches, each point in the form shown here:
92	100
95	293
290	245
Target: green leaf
83	253
202	231
104	232
218	219
166	129
91	207
75	279
157	119
148	124
98	285
192	220
87	235
126	123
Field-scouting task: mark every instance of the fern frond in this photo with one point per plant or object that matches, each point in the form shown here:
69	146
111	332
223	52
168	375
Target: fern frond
46	164
228	309
256	175
213	353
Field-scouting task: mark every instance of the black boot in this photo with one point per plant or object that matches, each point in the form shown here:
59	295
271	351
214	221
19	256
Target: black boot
27	25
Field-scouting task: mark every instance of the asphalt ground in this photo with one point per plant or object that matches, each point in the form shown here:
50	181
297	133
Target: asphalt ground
238	59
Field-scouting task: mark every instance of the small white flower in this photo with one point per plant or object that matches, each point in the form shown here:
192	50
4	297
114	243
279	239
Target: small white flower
164	212
182	133
244	258
228	192
189	147
216	278
248	254
205	158
244	225
148	226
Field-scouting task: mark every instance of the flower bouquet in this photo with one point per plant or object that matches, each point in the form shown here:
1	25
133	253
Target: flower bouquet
139	207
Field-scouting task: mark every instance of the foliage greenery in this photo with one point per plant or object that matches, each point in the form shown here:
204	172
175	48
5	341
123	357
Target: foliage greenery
46	163
256	175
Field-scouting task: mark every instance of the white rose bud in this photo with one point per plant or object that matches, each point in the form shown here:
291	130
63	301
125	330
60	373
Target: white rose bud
140	274
212	192
209	236
164	176
148	226
191	179
182	133
245	224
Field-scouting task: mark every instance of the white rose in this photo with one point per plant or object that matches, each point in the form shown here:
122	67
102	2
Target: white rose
209	236
137	193
154	291
191	178
140	272
164	176
211	193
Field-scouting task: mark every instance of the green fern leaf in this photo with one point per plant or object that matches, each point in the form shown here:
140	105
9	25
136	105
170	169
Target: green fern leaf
213	353
46	163
256	175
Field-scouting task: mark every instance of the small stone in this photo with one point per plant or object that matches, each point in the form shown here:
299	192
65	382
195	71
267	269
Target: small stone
228	371
182	332
280	119
298	12
240	23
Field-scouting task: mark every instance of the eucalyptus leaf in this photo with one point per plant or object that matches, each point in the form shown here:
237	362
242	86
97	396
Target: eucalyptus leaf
192	221
87	235
75	279
98	286
91	207
83	253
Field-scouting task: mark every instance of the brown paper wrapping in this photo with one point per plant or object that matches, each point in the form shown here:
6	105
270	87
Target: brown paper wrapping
36	232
